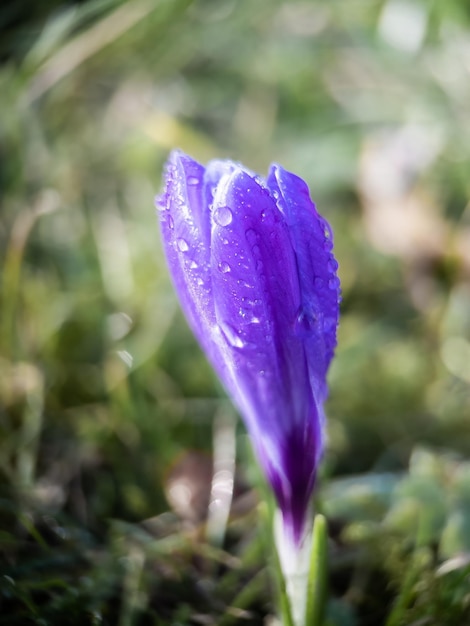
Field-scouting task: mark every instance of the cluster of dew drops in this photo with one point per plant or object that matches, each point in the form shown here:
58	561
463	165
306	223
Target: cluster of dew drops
305	321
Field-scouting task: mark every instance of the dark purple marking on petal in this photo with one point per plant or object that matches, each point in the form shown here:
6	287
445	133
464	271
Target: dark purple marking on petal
293	479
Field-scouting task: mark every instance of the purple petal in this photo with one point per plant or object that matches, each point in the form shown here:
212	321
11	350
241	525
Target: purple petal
312	241
183	216
256	293
214	172
257	296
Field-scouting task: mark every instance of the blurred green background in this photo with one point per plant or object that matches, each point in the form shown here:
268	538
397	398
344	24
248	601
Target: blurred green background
109	413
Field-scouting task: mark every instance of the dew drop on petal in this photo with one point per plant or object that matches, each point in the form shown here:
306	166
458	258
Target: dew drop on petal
333	283
223	216
193	265
192	180
231	335
224	267
247	314
171	222
333	264
251	236
305	322
329	323
318	282
182	245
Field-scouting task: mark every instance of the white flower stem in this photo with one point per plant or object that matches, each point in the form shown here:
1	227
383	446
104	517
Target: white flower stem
295	565
304	567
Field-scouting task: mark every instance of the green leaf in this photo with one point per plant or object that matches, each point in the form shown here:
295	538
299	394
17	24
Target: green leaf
318	574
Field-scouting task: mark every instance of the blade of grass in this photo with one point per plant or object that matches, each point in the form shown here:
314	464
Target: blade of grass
85	45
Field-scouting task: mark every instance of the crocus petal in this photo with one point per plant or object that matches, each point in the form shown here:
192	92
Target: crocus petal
255	290
214	172
311	239
183	217
257	297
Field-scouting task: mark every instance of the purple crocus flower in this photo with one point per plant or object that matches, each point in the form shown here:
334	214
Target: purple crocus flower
252	263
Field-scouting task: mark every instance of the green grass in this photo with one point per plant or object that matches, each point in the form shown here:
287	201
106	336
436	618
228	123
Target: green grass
105	398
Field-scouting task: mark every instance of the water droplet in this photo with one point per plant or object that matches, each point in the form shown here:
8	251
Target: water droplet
193	265
329	323
171	222
224	267
318	282
251	236
223	216
332	264
305	322
263	215
182	245
231	335
200	282
333	283
328	245
247	314
192	180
